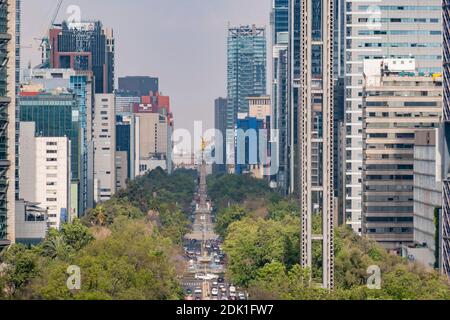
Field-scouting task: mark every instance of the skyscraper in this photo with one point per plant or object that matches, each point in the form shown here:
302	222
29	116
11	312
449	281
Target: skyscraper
139	85
315	133
279	21
55	114
8	56
385	29
397	103
246	69
85	46
104	138
220	121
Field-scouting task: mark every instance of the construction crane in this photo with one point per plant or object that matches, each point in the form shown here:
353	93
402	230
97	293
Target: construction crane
45	45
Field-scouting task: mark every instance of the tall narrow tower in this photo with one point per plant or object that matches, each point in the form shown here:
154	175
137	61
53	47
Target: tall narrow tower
315	132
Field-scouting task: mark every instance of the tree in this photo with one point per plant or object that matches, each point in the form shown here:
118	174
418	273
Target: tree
18	266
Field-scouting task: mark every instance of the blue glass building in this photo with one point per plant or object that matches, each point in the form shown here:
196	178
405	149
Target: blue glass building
246	69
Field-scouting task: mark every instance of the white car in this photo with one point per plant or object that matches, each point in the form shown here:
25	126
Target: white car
198	290
233	289
210	276
241	296
214	291
199	276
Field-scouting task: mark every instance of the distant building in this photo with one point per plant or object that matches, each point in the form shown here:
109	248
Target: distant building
139	85
246	69
125	102
125	141
31	223
53	114
248	145
86	46
45	173
397	102
121	170
260	108
104	138
220	121
151	140
82	84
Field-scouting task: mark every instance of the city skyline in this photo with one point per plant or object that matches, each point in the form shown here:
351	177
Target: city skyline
193	80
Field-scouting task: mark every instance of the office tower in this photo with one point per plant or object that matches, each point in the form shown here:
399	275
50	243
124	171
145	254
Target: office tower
81	83
280	111
104	138
279	21
7	121
121	170
220	124
125	101
157	103
397	102
246	70
45	173
86	46
385	29
53	114
125	141
315	131
444	245
151	142
427	197
17	70
138	85
31	223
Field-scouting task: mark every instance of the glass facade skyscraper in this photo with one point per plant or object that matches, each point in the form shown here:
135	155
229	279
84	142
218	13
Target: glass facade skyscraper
57	115
246	69
385	29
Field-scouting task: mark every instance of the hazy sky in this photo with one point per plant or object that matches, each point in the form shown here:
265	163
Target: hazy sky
183	42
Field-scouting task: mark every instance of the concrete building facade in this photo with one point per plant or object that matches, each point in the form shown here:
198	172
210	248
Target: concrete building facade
380	30
397	102
104	138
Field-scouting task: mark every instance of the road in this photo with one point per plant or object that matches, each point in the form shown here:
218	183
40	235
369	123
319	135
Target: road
204	279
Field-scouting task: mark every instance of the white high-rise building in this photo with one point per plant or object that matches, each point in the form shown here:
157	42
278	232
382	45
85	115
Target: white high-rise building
104	138
45	173
379	30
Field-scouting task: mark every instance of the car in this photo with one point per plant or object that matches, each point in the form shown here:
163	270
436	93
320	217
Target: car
200	276
223	289
241	296
233	289
220	279
217	261
210	276
215	283
188	291
198	290
214	291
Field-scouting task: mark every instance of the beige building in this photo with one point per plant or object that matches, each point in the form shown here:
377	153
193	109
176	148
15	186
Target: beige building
104	139
151	142
121	170
259	107
45	173
396	104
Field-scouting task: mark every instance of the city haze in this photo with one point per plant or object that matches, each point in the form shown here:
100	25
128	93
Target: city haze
182	42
